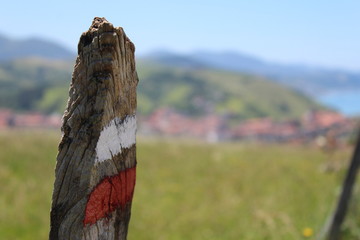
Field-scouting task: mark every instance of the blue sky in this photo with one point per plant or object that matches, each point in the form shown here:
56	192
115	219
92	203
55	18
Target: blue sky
314	32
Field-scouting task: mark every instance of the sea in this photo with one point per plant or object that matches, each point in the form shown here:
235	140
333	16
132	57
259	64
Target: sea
346	102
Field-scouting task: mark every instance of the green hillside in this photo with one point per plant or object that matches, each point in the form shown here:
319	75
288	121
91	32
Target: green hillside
42	85
35	84
200	91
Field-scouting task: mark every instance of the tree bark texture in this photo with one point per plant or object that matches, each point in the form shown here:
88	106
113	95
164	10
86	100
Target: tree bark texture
96	163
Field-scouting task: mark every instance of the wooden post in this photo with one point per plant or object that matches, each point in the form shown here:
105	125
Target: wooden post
95	170
344	200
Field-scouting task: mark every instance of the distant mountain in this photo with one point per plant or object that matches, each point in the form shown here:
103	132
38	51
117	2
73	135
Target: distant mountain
33	47
230	61
35	76
175	60
312	81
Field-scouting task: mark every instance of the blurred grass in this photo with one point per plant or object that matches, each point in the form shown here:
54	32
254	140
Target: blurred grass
26	178
185	189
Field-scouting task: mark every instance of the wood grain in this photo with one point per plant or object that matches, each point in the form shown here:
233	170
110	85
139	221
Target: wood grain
103	88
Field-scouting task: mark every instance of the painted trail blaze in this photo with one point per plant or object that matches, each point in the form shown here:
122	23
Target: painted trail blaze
111	193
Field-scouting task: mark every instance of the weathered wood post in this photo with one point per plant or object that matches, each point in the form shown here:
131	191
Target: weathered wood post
95	170
345	197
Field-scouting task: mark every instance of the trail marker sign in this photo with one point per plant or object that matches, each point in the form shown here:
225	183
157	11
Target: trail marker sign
96	163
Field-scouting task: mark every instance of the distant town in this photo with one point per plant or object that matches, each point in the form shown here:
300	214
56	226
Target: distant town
212	128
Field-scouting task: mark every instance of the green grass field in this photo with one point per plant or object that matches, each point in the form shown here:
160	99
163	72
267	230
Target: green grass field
186	189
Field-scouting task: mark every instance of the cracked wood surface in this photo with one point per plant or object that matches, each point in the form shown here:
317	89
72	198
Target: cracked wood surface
102	96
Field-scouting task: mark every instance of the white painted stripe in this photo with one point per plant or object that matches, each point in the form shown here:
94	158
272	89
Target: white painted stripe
117	135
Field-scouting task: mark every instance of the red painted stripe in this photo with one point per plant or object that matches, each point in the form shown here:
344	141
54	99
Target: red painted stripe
110	194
